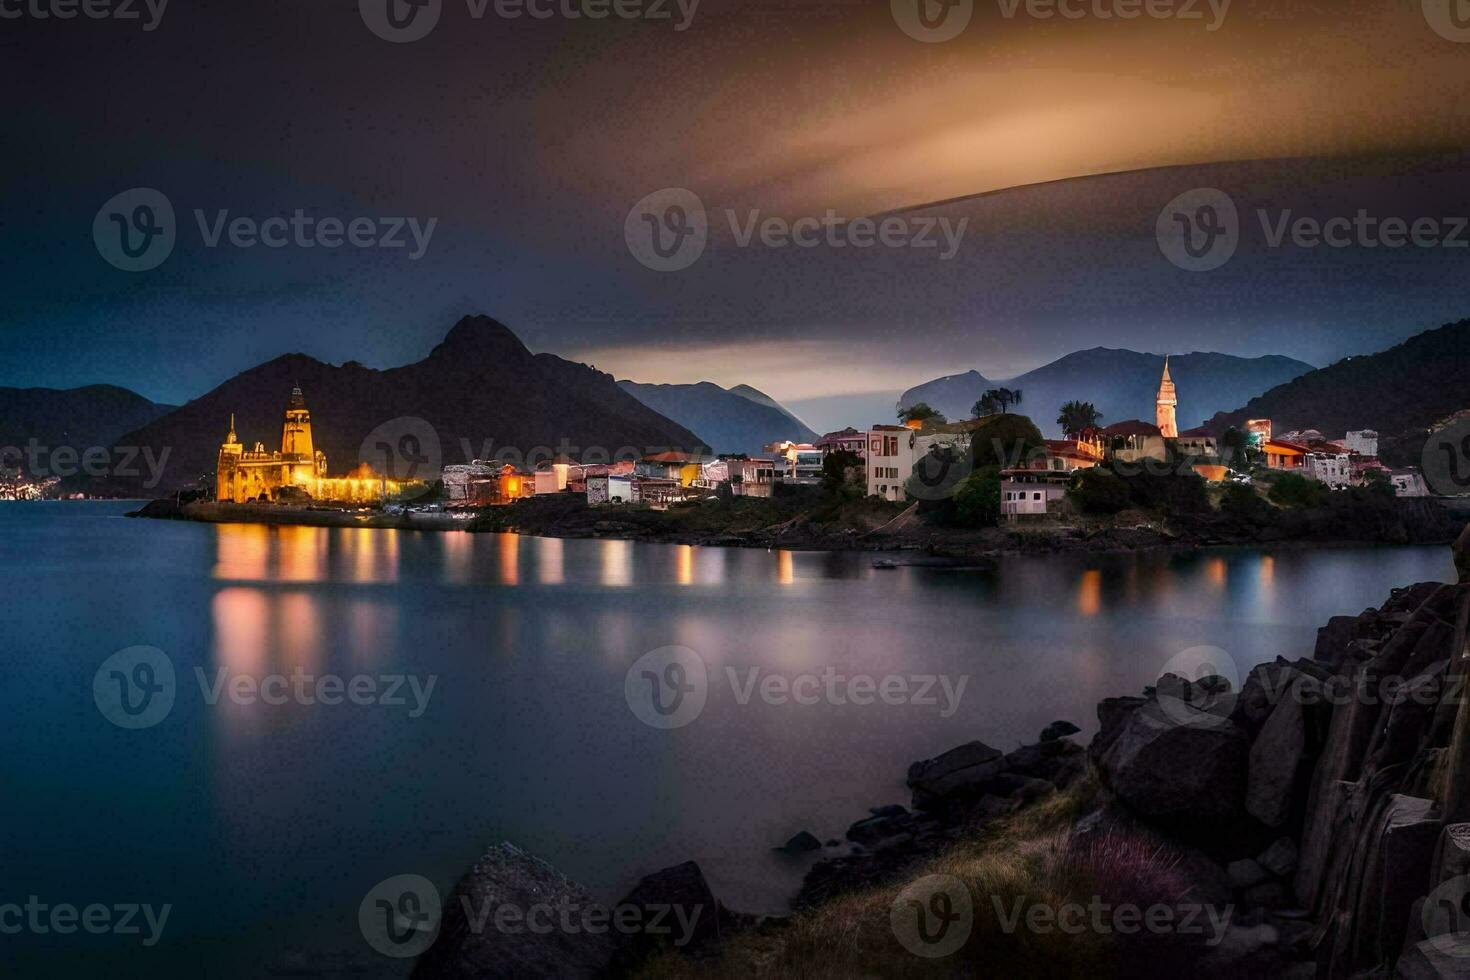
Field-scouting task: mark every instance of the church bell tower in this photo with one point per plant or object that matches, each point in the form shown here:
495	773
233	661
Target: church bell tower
1168	400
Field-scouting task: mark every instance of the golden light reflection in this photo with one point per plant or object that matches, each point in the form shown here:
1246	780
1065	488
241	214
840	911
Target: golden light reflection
297	632
301	553
1089	592
459	550
1268	571
242	550
241	618
510	559
1215	571
785	568
550	557
684	563
372	554
617	563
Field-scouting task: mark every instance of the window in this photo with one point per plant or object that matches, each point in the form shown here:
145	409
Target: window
1036	496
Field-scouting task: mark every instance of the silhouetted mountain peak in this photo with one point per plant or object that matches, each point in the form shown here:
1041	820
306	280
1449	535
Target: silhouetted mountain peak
476	337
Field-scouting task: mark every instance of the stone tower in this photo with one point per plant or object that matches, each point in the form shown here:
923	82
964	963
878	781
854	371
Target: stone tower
296	432
1168	400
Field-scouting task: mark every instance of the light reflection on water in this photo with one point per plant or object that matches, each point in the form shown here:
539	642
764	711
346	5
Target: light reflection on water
268	821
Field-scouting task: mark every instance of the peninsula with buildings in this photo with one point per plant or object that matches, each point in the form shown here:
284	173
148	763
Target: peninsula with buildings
951	490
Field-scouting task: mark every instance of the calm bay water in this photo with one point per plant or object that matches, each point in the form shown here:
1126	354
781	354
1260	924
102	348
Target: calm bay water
264	825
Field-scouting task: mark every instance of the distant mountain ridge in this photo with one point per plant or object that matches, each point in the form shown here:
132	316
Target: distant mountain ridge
79	418
1400	392
1122	384
479	392
734	420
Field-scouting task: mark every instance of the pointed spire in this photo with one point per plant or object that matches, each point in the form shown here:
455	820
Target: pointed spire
1166	368
231	437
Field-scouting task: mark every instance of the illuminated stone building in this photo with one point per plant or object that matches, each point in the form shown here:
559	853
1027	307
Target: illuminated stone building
1168	400
297	472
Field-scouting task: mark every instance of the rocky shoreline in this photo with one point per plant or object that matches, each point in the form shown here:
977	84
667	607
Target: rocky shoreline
1314	807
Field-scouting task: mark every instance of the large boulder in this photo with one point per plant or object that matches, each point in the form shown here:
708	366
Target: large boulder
487	927
1178	765
1283	754
675	909
962	773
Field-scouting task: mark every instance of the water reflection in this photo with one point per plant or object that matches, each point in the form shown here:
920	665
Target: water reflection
1089	592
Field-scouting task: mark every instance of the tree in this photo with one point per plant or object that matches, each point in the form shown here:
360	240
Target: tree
920	412
1237	450
1295	490
842	474
977	498
996	401
1097	491
1078	418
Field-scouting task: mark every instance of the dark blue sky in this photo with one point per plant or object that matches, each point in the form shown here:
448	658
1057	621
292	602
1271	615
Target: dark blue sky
529	141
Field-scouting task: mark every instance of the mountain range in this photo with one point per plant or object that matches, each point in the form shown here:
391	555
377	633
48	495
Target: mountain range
94	415
1400	392
1121	384
479	393
730	420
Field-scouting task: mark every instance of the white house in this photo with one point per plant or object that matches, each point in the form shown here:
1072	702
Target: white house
552	477
890	460
1332	468
1364	442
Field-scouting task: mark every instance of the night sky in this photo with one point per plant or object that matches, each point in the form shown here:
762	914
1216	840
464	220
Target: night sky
528	141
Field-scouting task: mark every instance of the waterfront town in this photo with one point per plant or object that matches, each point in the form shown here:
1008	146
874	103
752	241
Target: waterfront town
882	457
